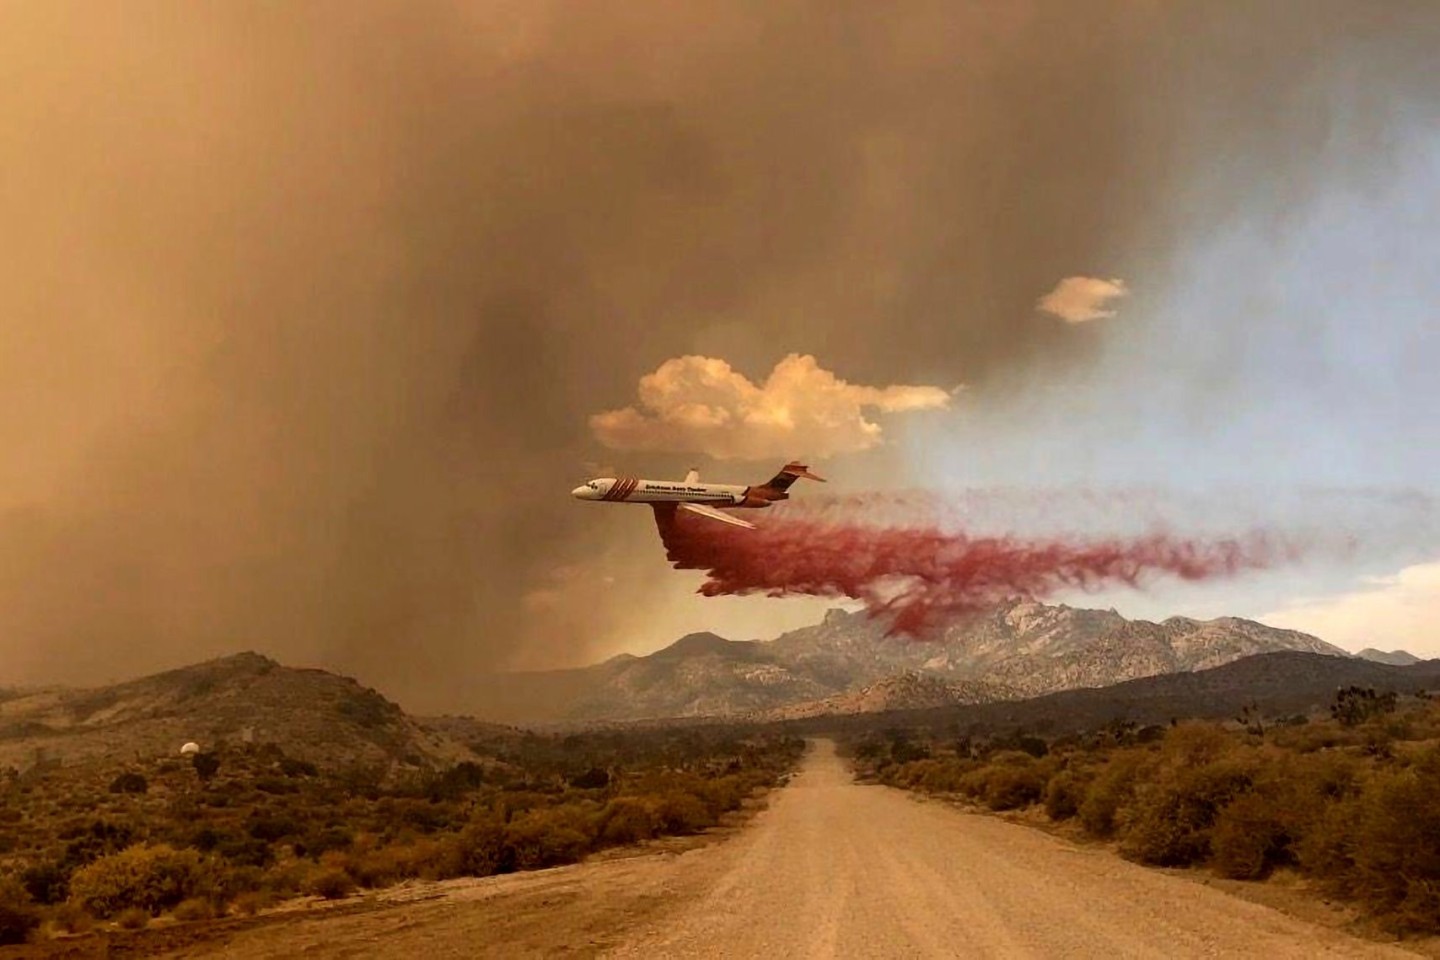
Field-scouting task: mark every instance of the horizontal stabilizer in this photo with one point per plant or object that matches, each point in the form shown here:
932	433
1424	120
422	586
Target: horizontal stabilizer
714	514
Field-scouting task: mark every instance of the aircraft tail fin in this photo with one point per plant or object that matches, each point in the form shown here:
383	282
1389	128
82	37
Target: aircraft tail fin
788	474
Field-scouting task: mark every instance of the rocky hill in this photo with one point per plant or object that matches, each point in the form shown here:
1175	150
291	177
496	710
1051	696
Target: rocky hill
1275	685
1396	658
313	715
846	663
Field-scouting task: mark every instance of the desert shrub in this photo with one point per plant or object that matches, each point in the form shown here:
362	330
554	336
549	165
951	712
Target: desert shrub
1111	788
1194	745
592	779
246	851
1250	837
320	842
1394	859
150	878
1063	795
71	918
1354	705
133	918
682	813
129	783
723	794
939	776
627	820
18	913
1011	787
292	767
46	882
1173	818
481	849
428	858
332	883
288	878
193	909
273	828
251	903
544	838
206	766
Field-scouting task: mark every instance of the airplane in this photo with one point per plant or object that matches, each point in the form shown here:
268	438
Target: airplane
665	496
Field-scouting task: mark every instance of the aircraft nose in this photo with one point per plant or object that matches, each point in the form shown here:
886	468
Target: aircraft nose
581	492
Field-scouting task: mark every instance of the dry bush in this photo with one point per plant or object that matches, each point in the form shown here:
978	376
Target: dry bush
682	813
332	883
1064	794
71	918
1395	853
1250	837
480	850
287	878
1010	787
133	918
194	909
547	838
1171	819
940	776
150	878
1194	745
627	820
250	903
1110	790
18	913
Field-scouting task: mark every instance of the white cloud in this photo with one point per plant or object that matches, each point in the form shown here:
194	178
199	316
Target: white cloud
1402	611
1078	299
700	404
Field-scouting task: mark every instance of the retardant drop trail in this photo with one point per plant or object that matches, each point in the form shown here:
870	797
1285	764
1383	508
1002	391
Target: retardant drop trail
921	578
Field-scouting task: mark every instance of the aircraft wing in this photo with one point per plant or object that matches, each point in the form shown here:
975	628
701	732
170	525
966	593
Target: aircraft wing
714	514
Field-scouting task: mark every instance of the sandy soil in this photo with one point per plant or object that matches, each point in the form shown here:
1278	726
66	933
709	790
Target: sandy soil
830	869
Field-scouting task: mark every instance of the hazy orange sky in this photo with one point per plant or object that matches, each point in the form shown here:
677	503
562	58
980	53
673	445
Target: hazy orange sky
313	314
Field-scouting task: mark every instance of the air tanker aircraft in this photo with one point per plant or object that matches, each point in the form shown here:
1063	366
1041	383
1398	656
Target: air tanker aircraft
693	496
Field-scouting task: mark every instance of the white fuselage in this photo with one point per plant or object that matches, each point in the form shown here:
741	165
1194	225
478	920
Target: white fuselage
634	490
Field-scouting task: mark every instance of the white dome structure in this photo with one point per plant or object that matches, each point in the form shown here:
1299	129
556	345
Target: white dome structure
190	749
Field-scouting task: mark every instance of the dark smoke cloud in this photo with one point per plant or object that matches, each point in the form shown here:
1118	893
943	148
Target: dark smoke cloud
306	305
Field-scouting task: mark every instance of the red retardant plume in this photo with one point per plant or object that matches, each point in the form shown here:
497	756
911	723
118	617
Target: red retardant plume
923	578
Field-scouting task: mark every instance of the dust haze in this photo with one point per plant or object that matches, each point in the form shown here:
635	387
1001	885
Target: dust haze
306	307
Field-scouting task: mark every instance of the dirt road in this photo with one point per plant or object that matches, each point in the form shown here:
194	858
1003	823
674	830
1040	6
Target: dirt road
831	869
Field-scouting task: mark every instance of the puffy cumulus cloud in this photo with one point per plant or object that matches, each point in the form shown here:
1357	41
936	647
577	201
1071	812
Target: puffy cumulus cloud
1389	612
1080	299
701	404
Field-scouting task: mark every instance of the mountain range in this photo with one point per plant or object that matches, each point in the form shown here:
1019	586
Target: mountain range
846	663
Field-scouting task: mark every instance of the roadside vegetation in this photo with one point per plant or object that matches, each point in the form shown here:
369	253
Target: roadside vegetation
1350	801
237	829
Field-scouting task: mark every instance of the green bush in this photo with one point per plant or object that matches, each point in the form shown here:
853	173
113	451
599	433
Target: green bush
18	913
150	878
